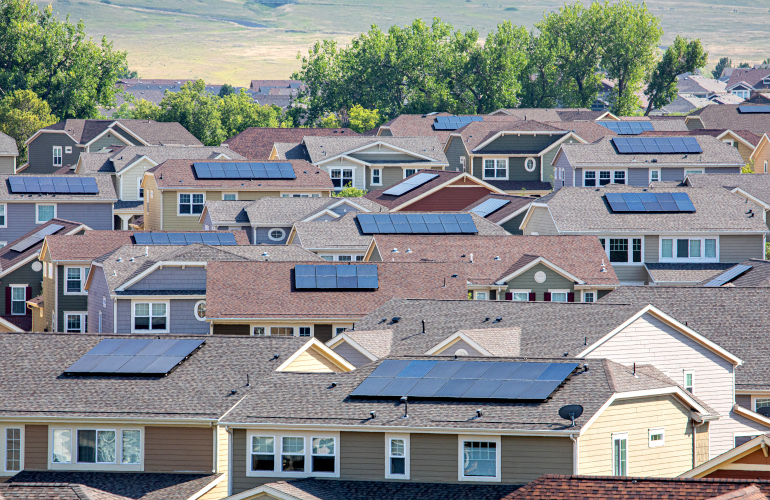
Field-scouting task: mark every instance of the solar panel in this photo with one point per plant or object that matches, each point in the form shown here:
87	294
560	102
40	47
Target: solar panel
728	275
24	184
134	357
409	184
650	202
627	128
417	223
655	145
335	277
754	109
489	206
454	122
143	238
468	380
244	170
683	202
36	238
214	239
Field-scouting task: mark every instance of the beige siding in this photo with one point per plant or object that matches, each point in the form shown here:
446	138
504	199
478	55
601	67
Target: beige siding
312	361
636	417
242	482
220	490
740	248
457	345
351	354
178	449
524	459
701	444
49	296
761	156
7	164
128	182
358	171
35	447
362	456
541	222
433	458
152	205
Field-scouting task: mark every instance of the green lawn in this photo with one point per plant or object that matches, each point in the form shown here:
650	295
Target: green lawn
210	38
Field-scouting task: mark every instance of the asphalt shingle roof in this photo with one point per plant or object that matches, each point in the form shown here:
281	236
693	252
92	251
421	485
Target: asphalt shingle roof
8	145
393	202
516	204
103	184
663	273
9	257
322	148
257	142
749	136
757	276
757	185
726	116
152	132
120	158
272	210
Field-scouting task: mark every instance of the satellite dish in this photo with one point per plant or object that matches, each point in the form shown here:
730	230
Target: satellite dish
764	411
571	412
461	352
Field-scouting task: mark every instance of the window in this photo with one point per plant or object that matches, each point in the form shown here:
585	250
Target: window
44	213
589	296
409	171
62	446
496	168
376	177
68	149
765	166
559	295
340	329
281	331
293	454
688	249
341	177
300	195
688	381
276	234
131	446
623	250
656	437
305	331
761	403
96	446
479	459
262	453
57	156
12	449
76	280
605	177
689	172
200	310
654	175
323	455
480	296
258	331
3	222
743	439
520	295
343	258
530	164
620	177
589	178
396	456
18	300
139	189
75	322
229	196
150	317
620	454
729	141
191	203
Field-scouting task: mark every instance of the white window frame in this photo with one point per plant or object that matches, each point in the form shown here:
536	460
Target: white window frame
339	329
674	258
195	310
270	235
191	194
654	432
765	170
151	302
476	293
497	168
5	448
278	452
24	288
691	373
83	318
379	174
754	401
139	189
564	291
656	170
688	171
592	292
597	171
37	212
461	440
630	242
534	164
300	195
336	257
73	464
268	330
388	474
342	176
407	174
745	434
54	156
4	209
234	193
514	292
83	278
618	436
731	142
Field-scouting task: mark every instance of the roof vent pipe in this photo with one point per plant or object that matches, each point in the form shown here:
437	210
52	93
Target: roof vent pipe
471	258
423	326
405	400
146	251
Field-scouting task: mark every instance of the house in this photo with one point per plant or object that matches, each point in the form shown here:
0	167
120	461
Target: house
20	273
699	86
126	166
9	153
706	232
683	104
630	161
177	190
751	117
747	461
743	82
26	202
60	144
761	155
269	221
346	238
434	190
521	268
749	273
743	140
753	189
256	143
507	211
161	288
280	303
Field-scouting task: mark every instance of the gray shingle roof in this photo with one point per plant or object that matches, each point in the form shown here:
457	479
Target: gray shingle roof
228	212
120	158
584	210
323	148
684	273
8	145
757	276
152	132
103	183
726	116
757	185
10	257
291	151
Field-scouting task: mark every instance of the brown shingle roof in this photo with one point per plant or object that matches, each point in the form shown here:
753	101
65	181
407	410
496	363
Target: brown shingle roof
257	142
392	202
152	132
9	257
516	203
726	116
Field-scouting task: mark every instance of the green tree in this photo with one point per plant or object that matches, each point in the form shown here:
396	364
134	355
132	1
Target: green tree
628	51
128	74
22	113
239	112
349	192
539	78
361	119
680	57
744	65
227	89
56	60
329	121
724	62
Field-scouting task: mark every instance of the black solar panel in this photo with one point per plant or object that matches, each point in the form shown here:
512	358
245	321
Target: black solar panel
214	239
650	202
627	128
754	109
331	277
469	380
36	238
23	184
454	122
134	357
417	224
656	145
244	170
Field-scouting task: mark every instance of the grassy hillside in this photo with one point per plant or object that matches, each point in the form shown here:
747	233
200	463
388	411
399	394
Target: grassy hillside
234	41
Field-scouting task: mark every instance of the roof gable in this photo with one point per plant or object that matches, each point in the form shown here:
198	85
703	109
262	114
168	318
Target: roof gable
315	357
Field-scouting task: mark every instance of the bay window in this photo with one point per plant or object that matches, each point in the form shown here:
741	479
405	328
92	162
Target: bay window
495	168
688	250
293	455
150	317
623	250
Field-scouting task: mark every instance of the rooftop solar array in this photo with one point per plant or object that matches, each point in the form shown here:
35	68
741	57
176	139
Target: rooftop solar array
470	380
656	145
244	170
328	277
650	202
407	185
23	184
627	128
454	122
754	109
36	238
134	357
490	206
214	239
728	275
417	224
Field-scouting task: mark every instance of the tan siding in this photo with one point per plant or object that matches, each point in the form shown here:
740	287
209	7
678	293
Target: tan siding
174	222
178	449
220	490
152	205
242	482
312	361
433	457
49	296
524	459
129	179
631	274
702	444
455	346
35	447
745	152
761	156
740	248
390	176
636	417
362	455
744	400
541	222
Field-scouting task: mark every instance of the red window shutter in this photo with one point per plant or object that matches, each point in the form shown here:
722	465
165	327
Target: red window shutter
28	295
7	300
547	296
532	297
508	296
570	297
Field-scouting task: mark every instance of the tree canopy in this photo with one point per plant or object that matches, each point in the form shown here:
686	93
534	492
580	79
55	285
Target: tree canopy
680	57
22	113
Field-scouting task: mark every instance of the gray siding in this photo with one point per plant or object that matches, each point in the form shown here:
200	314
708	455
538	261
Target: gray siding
390	176
740	248
563	163
638	177
744	400
553	281
723	170
344	209
520	144
651	248
240	481
124	316
67	303
351	354
524	459
631	274
94	215
231	329
173	278
108	140
540	222
512	225
672	174
578	177
383	155
40	153
454	151
96	293
323	333
516	170
263	238
181	317
7	163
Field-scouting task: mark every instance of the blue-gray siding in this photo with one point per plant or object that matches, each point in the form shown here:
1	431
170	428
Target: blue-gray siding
181	317
40	153
173	278
21	217
99	293
263	239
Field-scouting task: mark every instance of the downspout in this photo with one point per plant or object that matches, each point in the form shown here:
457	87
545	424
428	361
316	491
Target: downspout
229	460
575	454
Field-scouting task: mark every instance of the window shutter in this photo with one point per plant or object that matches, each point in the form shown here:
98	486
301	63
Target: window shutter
7	300
570	297
28	295
547	296
532	297
508	296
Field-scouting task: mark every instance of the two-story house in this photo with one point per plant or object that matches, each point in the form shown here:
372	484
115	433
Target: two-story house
176	191
752	117
9	153
126	166
754	189
665	234
256	143
60	144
